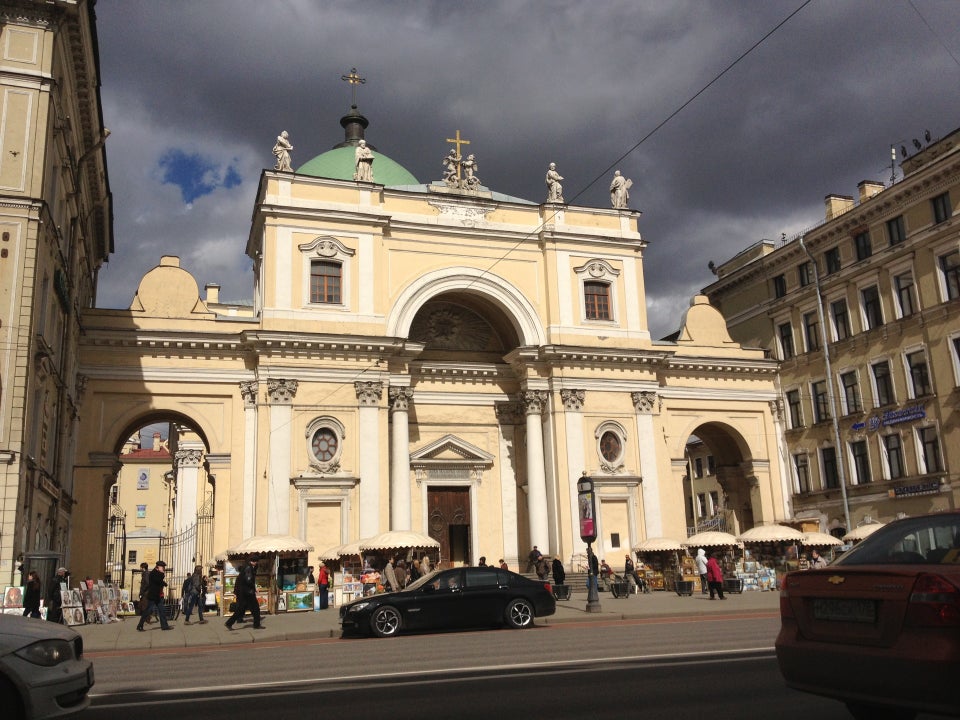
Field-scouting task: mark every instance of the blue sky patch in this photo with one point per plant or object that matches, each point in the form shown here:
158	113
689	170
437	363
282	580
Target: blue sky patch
195	174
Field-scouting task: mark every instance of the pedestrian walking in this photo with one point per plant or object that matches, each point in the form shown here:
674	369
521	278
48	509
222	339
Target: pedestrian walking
54	598
154	597
389	575
630	573
701	562
715	577
31	595
245	590
324	587
194	596
559	574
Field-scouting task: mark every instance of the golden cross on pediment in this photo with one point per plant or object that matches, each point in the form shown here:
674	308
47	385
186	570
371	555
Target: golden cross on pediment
458	141
354	79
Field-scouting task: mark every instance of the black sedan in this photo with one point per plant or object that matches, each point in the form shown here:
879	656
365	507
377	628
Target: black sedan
463	597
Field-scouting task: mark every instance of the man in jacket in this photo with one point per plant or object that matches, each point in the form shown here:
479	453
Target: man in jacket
246	592
54	598
155	586
324	587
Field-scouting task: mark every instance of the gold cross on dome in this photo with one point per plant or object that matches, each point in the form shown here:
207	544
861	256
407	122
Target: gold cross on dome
354	79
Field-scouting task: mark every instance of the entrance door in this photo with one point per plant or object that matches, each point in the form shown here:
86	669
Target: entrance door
449	515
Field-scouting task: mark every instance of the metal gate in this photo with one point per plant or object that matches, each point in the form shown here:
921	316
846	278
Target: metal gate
193	546
116	545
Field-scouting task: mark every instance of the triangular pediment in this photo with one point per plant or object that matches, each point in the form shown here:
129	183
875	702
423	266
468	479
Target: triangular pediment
451	449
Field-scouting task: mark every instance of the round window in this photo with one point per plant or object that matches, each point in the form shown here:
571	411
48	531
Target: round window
324	444
610	446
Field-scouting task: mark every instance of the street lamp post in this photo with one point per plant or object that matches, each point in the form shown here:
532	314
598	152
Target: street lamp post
587	506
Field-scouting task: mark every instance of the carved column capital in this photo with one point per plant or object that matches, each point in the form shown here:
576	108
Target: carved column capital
189	457
248	391
643	402
573	399
400	398
508	413
282	391
534	401
369	393
776	409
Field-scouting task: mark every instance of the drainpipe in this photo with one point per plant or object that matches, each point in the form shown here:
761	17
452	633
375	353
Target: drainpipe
830	396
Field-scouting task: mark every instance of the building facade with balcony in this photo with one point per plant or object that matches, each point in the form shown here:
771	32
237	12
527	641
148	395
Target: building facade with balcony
878	436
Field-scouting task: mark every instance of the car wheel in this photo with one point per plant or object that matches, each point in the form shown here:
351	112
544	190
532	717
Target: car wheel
385	621
520	614
10	699
865	711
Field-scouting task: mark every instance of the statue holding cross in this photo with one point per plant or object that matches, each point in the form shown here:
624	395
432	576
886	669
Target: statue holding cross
456	156
458	173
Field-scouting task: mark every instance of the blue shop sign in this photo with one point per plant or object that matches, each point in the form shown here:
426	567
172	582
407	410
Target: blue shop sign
927	488
892	417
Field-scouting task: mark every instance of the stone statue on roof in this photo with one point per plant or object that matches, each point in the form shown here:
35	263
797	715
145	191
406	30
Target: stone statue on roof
363	157
450	165
281	151
554	188
620	190
470	180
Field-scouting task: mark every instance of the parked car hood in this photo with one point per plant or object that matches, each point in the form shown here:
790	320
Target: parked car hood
17	631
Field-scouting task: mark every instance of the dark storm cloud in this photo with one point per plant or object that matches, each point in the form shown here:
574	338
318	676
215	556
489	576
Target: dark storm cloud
813	110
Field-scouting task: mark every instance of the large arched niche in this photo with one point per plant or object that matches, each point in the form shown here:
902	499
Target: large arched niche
726	443
154	417
510	316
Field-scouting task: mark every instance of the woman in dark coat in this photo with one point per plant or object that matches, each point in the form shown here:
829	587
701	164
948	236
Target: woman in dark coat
31	596
559	574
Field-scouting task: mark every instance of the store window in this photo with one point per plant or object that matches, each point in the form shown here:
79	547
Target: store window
786	341
882	383
872	312
919	374
828	464
861	242
851	392
794	408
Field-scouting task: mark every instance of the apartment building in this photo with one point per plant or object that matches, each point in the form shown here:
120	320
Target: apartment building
863	312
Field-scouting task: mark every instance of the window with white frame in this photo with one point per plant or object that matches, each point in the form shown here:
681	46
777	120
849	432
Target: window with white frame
811	331
841	319
325	436
871	307
906	294
893	455
805	273
928	444
896	230
802	467
828	468
598	283
611	440
882	383
860	460
941	208
821	401
326	263
794	408
785	333
917	371
955	357
861	242
949	264
851	392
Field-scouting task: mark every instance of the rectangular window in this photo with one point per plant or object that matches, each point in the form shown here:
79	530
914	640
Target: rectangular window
941	208
861	461
828	461
930	450
821	403
141	511
919	375
811	331
779	286
711	465
882	383
803	472
702	504
862	242
786	341
615	540
698	467
893	447
714	502
841	319
950	267
906	293
831	259
597	300
805	273
325	281
895	230
794	408
872	312
851	392
131	557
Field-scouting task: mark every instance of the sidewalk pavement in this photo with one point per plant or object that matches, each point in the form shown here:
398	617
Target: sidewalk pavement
123	636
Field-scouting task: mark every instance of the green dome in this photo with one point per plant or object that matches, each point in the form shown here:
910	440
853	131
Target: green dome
338	164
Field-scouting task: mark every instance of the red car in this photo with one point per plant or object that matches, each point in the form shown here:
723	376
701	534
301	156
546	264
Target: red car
879	628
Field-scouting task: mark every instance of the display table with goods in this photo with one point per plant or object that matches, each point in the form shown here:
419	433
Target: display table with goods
658	562
281	573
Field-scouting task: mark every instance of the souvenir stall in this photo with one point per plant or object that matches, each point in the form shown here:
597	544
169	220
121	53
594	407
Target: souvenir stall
281	573
726	546
660	558
770	552
821	542
376	551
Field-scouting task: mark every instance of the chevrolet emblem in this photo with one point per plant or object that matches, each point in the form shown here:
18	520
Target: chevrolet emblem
835	579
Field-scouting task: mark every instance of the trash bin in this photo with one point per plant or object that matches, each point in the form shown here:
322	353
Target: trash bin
733	585
561	592
684	587
620	589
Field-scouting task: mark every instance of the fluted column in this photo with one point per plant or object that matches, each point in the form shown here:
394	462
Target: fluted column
368	398
644	403
280	394
534	403
576	463
188	471
508	415
248	391
400	458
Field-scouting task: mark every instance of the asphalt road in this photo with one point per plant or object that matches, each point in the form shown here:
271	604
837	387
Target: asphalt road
690	668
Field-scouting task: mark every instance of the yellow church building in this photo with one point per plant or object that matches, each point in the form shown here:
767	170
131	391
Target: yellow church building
436	357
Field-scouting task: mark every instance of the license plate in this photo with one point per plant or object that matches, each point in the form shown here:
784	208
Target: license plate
858	611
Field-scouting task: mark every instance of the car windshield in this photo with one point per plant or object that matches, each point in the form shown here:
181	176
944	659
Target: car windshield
933	539
422	580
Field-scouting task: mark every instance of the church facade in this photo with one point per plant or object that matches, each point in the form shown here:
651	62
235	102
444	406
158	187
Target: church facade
433	357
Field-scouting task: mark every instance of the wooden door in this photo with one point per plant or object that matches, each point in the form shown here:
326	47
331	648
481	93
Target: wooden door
449	523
